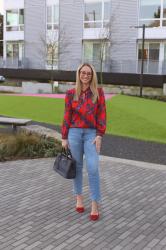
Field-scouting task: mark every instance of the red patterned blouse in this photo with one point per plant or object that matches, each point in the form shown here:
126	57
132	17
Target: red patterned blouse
84	113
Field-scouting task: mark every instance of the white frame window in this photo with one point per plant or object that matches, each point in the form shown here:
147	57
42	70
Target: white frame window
159	20
52	48
152	60
94	19
53	16
150	51
92	50
164	13
15	50
164	51
164	59
1	36
16	20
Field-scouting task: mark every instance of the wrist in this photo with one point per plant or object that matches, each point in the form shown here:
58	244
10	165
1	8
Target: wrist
99	136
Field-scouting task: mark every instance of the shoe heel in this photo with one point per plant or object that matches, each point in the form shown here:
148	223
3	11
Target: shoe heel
94	217
80	209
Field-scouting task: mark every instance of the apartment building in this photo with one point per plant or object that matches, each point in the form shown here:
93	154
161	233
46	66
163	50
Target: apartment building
64	33
1	35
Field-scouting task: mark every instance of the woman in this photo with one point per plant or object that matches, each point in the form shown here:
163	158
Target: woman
82	130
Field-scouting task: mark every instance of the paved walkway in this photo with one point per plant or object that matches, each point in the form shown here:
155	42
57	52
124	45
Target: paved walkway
37	208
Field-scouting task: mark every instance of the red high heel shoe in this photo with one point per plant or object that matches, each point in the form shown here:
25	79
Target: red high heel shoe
94	217
80	209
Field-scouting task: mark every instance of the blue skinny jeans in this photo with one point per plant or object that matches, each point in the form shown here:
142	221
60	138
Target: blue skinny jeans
80	143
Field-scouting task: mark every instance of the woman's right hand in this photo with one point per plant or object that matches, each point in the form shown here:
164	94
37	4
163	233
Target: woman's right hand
65	143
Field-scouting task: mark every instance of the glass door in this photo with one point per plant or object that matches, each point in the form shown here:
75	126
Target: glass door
164	62
14	53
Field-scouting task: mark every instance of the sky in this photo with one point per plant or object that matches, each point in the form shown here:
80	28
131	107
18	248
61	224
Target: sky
1	6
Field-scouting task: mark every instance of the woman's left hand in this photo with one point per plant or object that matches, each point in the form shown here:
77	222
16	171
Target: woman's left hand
97	141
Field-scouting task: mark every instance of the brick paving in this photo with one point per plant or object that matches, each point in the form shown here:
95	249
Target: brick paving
37	207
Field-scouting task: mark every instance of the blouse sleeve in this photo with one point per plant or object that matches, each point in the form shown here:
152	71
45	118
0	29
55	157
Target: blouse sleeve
101	114
67	115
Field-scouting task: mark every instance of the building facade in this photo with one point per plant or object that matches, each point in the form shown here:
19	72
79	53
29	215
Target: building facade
60	34
1	36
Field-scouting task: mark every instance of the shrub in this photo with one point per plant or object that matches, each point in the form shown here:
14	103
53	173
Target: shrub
20	146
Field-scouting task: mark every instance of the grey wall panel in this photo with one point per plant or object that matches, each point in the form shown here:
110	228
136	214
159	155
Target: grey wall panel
71	33
124	15
35	30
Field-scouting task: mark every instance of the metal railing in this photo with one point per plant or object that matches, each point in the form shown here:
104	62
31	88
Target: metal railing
11	63
113	66
132	66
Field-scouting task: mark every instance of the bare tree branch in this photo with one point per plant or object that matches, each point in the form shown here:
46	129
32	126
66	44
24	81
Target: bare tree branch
106	41
56	44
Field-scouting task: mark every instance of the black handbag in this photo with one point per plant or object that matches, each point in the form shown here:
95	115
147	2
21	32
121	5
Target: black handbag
65	165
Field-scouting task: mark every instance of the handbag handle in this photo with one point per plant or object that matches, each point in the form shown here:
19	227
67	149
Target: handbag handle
67	152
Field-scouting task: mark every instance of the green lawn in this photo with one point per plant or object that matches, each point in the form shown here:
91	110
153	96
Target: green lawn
137	117
127	116
47	110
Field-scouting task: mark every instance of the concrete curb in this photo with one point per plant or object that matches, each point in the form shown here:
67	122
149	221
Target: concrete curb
133	163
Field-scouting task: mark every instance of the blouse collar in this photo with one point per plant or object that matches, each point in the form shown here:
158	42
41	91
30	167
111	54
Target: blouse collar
86	91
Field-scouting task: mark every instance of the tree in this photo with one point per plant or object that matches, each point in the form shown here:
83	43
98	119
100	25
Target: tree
52	53
53	43
105	42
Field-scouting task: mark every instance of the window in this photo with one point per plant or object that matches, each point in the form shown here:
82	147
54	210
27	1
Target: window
164	61
1	49
154	49
151	51
140	51
150	12
14	50
106	12
96	13
49	17
150	9
92	53
153	13
53	16
164	9
15	20
151	56
165	52
1	27
164	12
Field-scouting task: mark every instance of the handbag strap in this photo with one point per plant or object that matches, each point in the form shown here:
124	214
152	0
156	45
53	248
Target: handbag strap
66	152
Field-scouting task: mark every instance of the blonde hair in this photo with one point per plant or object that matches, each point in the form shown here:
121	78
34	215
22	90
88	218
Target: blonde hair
93	83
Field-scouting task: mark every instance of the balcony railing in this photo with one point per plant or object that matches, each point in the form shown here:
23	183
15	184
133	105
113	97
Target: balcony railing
11	63
114	66
131	66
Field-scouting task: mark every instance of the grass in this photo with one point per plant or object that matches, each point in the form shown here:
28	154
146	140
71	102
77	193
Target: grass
47	110
137	117
126	116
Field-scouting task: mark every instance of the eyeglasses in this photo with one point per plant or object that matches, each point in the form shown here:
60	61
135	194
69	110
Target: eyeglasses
85	73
